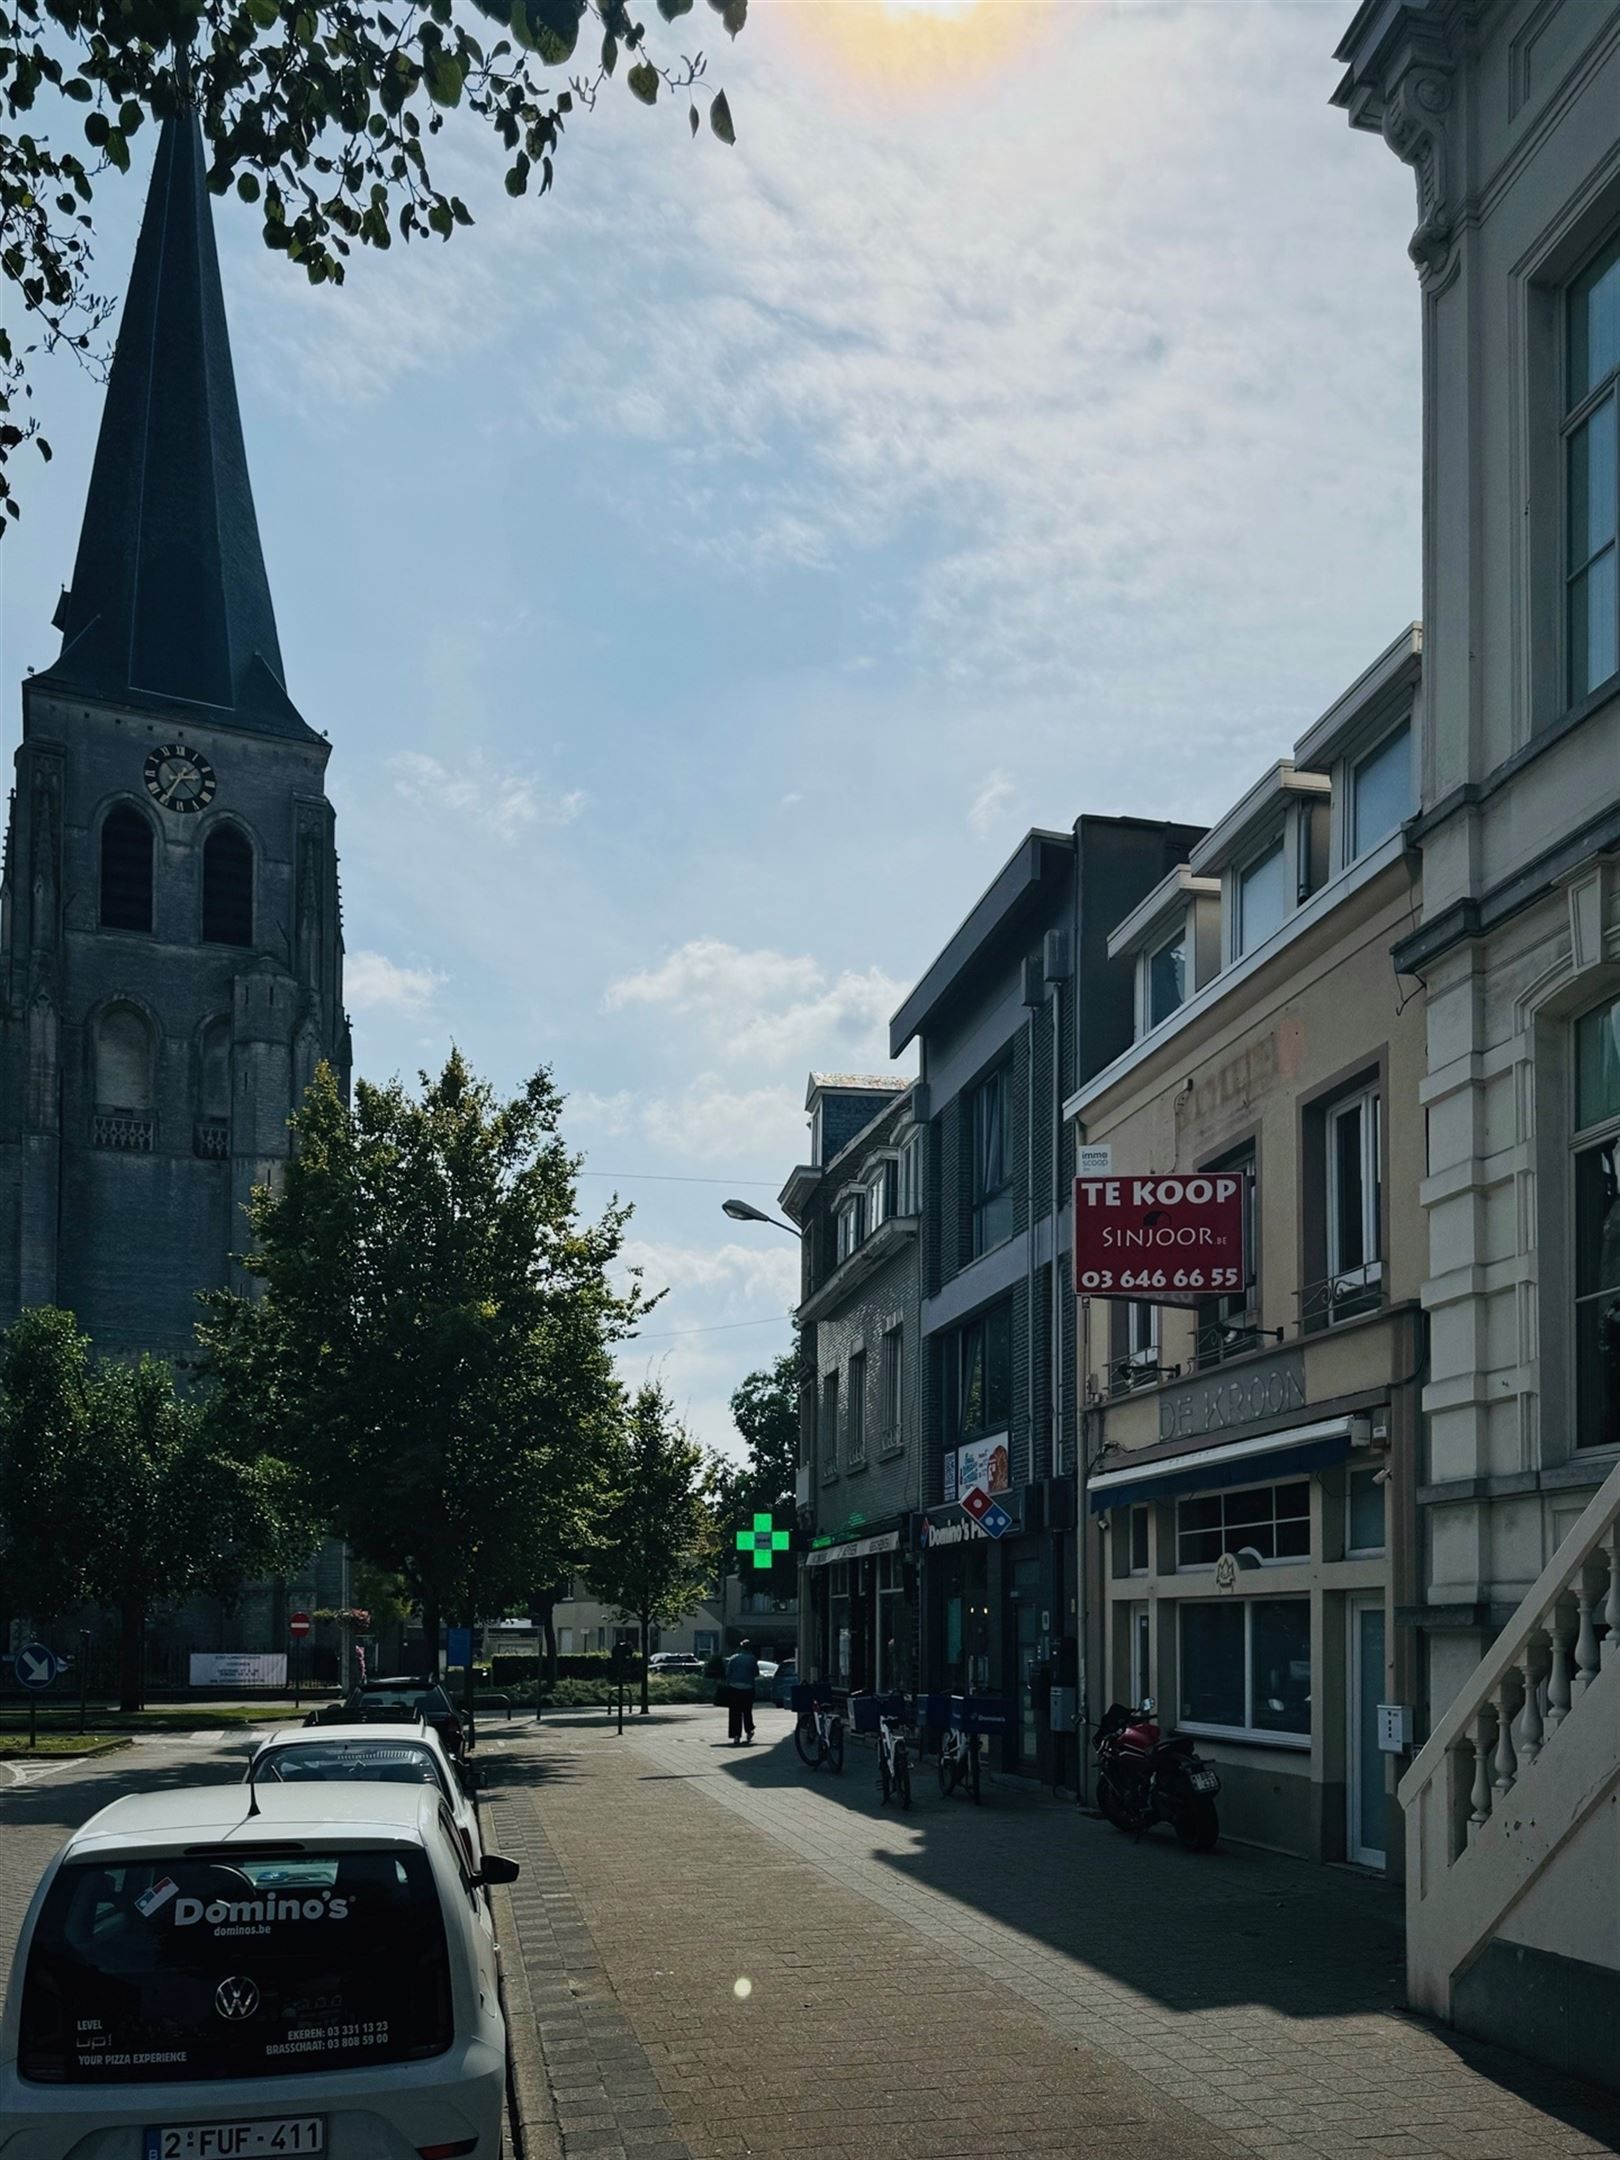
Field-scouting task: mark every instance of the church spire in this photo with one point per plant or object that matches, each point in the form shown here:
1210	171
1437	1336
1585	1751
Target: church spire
169	602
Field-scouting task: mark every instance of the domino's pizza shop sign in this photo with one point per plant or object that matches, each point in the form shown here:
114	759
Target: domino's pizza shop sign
1168	1240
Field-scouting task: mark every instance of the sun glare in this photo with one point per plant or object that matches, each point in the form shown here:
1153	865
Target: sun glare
912	48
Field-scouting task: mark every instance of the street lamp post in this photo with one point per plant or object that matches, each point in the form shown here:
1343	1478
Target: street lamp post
745	1211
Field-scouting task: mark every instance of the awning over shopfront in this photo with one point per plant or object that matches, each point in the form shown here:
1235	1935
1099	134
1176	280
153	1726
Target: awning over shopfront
854	1549
1293	1453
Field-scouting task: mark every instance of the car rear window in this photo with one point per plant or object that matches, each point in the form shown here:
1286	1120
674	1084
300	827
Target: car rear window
329	1762
235	1965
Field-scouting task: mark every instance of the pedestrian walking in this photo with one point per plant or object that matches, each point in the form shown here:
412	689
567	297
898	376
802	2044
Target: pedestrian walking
742	1670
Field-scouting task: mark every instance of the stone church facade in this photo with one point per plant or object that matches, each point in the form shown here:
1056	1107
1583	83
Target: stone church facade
171	954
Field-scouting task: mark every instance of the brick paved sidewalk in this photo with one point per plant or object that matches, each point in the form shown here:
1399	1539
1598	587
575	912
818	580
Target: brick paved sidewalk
953	1982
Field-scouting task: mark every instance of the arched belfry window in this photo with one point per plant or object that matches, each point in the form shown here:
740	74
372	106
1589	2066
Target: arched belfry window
126	871
227	888
123	1080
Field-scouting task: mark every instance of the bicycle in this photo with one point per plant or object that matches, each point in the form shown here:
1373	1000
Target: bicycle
894	1754
959	1762
819	1736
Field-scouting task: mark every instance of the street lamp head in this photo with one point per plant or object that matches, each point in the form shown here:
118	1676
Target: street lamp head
743	1211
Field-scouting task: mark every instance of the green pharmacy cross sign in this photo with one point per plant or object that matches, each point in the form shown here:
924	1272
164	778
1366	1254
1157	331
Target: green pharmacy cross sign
764	1541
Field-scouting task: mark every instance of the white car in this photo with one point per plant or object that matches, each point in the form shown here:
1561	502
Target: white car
364	1755
220	1973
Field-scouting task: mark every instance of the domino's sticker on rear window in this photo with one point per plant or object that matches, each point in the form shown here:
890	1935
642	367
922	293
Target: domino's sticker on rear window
159	1894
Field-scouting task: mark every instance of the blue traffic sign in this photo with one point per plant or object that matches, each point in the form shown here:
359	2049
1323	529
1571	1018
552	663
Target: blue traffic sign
458	1646
36	1666
995	1521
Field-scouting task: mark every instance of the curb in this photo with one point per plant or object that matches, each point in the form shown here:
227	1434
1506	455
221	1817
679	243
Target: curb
530	2126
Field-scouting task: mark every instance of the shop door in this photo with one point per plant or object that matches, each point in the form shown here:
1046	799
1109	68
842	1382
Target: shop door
1027	1637
1365	1784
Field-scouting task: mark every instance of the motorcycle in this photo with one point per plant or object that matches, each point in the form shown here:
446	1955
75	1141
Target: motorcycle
1143	1779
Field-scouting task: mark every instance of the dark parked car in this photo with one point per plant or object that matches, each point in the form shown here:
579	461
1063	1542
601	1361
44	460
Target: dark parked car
400	1701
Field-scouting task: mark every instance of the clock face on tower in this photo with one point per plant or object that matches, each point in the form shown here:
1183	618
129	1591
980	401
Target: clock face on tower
180	779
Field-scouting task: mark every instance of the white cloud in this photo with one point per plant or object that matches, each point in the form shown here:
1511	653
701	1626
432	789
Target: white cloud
711	1122
733	1280
503	801
988	806
607	1114
374	983
767	1007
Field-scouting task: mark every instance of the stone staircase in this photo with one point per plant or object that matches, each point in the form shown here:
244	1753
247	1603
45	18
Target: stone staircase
1513	1817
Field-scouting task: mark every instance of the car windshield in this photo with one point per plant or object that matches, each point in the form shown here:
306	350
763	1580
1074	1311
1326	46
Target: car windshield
248	1963
333	1762
431	1702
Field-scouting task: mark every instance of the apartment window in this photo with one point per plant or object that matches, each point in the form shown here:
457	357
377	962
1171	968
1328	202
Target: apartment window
1263	1522
1139	1367
1229	1325
910	1181
1597	1227
1355	1199
829	1422
984	1374
855	1412
880	1196
890	1384
1246	1668
1315	847
990	1129
1364	1530
1262	898
1381	791
1592	468
851	1220
1139	1540
1167	978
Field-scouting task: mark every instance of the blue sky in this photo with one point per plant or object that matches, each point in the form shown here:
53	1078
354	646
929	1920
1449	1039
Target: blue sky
706	574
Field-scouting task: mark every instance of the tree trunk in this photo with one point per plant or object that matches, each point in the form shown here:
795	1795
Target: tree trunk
131	1653
430	1634
548	1625
646	1637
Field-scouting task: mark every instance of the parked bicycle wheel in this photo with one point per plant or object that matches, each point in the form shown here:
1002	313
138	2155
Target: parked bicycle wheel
949	1770
808	1742
884	1782
835	1744
902	1775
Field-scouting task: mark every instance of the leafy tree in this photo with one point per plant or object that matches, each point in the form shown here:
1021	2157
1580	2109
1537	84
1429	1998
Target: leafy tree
655	1548
318	112
765	1411
117	1489
434	1338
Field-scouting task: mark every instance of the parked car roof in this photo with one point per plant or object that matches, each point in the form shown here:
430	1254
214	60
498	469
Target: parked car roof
360	1735
216	1815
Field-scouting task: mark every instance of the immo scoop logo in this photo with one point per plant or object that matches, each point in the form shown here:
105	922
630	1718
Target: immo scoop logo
237	1997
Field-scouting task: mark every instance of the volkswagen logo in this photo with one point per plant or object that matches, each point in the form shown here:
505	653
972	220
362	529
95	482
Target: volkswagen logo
237	1997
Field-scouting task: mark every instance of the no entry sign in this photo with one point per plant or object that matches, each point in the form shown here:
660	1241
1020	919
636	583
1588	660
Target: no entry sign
1164	1240
298	1626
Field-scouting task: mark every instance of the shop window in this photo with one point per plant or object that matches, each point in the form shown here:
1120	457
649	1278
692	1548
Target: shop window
1364	1526
1381	791
855	1412
984	1374
1246	1668
1592	469
126	871
990	1136
890	1385
1262	1522
1597	1227
227	913
1139	1540
1261	898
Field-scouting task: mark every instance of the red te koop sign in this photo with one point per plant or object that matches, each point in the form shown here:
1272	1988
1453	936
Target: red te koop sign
1166	1240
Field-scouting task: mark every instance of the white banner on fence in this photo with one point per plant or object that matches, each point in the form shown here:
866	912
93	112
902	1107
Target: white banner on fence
239	1668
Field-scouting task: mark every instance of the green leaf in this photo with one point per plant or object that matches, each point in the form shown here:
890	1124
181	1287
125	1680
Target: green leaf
610	53
97	128
444	78
117	150
263	12
78	89
643	80
692	115
720	119
734	14
548	27
517	180
247	186
671	10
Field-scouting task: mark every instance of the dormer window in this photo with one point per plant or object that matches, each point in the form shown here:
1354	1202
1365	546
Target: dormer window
1167	977
1381	791
851	1224
909	1198
880	1195
1262	898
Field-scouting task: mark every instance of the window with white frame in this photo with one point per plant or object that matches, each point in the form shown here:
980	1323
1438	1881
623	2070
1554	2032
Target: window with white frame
855	1412
1245	1668
1592	473
1140	1364
1381	791
1264	1522
851	1224
880	1195
910	1196
1166	972
1262	898
1597	1227
1355	1206
891	1382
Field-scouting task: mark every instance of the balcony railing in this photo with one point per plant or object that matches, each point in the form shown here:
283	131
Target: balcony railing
1218	1340
1140	1369
211	1139
1341	1297
120	1130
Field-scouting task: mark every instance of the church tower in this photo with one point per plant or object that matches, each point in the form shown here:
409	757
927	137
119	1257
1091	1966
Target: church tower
171	960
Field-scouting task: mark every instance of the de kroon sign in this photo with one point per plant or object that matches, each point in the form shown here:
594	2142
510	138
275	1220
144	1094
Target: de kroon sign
1242	1398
